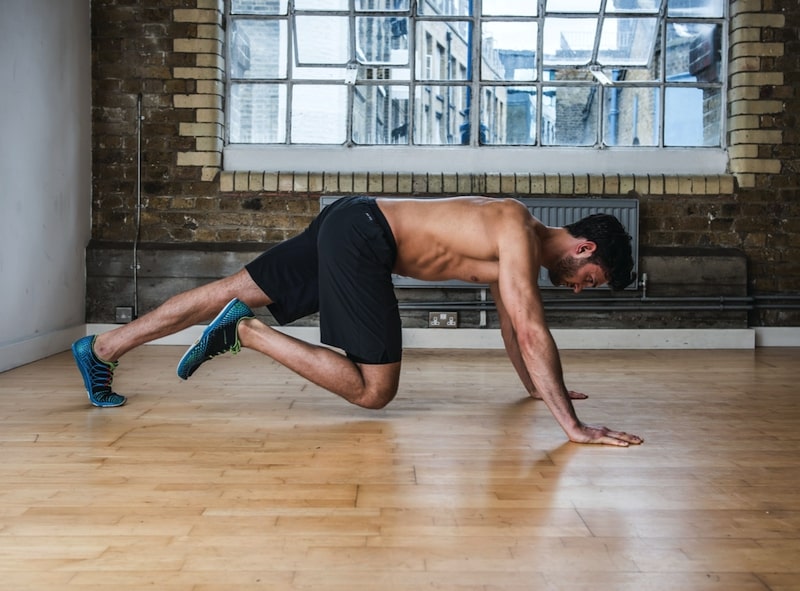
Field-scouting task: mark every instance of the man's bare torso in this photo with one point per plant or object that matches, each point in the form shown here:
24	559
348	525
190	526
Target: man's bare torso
455	238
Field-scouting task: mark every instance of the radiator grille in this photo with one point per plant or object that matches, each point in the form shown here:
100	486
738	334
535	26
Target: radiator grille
553	212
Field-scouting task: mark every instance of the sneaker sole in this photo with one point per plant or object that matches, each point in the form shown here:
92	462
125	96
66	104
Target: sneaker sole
192	348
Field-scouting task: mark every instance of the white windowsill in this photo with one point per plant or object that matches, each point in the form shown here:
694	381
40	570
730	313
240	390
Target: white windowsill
462	160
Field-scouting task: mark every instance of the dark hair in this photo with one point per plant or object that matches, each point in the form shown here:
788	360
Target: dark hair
614	253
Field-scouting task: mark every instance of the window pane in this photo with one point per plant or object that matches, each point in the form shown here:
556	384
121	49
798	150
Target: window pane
508	115
380	115
690	8
258	6
643	6
631	117
569	41
443	53
257	114
627	41
584	6
320	73
382	5
441	115
258	49
693	49
319	114
382	40
509	51
320	4
445	7
571	116
691	117
334	30
510	7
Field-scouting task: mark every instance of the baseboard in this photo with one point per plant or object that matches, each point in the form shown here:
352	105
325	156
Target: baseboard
476	338
29	350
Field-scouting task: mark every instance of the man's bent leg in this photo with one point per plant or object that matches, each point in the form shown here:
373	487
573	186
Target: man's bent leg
366	385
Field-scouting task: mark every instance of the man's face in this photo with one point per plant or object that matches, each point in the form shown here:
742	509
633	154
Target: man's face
577	274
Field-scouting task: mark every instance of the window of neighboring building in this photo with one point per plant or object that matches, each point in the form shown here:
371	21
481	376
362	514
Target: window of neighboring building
427	73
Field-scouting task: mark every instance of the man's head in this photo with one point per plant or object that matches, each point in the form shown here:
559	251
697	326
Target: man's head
607	245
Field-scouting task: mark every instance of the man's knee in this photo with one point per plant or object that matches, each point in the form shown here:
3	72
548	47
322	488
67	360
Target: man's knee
377	398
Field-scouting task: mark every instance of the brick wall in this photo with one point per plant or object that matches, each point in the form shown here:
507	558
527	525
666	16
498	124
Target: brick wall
170	53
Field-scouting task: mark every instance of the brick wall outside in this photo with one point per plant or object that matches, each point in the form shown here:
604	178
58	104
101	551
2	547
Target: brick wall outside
170	52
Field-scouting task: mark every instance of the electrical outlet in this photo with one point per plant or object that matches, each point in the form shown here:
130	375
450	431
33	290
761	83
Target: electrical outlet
123	314
442	319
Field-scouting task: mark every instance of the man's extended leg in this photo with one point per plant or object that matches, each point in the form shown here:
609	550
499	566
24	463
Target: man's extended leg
96	356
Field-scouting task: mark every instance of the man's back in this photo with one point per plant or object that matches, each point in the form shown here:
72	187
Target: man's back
457	238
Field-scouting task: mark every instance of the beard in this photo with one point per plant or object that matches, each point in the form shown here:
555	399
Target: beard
565	267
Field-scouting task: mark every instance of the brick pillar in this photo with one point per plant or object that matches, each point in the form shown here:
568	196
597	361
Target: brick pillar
755	92
208	73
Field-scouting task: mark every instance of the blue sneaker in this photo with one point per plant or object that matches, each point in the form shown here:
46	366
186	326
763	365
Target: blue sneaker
219	337
97	374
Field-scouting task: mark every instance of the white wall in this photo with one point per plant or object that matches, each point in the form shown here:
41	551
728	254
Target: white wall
45	175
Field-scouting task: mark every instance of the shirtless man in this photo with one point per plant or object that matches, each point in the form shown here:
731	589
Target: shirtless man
341	266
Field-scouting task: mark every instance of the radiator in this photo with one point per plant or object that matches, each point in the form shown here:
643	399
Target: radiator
552	212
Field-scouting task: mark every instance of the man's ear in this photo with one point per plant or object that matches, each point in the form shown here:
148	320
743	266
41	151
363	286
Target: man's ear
585	249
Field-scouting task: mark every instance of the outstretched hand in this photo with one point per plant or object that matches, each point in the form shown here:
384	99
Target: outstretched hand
604	435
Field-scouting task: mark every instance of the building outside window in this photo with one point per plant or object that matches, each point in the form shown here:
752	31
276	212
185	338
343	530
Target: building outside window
589	74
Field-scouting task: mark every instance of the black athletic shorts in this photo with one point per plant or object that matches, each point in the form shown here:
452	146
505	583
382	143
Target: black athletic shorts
341	266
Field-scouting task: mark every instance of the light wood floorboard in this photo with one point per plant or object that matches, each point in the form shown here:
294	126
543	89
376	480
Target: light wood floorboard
247	477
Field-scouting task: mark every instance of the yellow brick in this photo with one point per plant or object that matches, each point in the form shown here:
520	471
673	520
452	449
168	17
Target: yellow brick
626	184
241	180
450	183
208	144
199	158
596	184
567	184
712	184
390	183
360	182
210	32
745	35
211	4
508	183
756	49
744	93
256	181
192	15
197	101
209	173
197	46
209	60
755	107
464	184
552	184
374	183
404	183
523	183
756	137
209	116
226	182
642	184
755	165
671	185
743	151
611	184
757	79
435	183
743	122
656	184
346	182
285	182
197	73
419	183
745	180
581	184
742	64
300	182
200	129
768	20
330	182
271	182
493	182
210	87
740	6
315	183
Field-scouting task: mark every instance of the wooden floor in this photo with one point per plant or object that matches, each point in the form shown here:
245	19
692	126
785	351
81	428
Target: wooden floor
247	477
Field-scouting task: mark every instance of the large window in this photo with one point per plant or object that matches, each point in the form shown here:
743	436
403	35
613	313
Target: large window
487	76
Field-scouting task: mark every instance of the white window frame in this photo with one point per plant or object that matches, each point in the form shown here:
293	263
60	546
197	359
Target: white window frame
638	160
